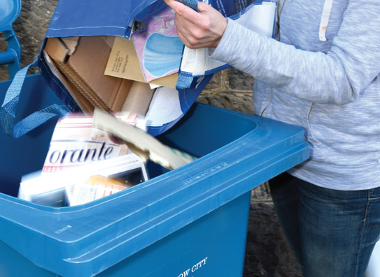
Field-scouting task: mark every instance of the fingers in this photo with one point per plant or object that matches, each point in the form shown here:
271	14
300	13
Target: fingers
198	29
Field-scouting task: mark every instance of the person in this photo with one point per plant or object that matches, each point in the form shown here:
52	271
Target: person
321	73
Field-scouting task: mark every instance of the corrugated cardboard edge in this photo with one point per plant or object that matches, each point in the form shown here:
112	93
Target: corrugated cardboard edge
61	50
86	107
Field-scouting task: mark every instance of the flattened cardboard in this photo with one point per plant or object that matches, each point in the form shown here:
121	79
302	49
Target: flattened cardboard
85	67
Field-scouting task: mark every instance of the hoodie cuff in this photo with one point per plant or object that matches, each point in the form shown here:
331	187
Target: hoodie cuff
221	50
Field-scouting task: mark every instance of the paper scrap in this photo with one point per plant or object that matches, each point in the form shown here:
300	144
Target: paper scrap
140	142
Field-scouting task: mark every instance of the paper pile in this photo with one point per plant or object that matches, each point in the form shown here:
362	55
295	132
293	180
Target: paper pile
62	188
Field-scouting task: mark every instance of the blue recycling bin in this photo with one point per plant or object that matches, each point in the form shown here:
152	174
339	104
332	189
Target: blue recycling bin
191	221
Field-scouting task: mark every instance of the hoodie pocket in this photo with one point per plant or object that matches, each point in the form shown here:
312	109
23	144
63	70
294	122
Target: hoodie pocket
262	94
341	137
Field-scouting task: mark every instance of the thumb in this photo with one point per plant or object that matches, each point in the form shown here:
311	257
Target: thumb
180	8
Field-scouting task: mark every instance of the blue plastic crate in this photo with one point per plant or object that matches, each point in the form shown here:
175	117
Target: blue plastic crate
187	222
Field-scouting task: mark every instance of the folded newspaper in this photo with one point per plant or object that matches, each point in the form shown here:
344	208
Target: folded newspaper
76	143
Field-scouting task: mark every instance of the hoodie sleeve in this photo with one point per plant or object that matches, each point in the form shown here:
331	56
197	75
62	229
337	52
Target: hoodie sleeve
337	77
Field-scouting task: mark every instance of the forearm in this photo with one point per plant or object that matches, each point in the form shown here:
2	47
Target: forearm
312	76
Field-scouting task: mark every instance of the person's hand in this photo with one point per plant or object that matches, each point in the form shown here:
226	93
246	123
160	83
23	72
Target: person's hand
198	30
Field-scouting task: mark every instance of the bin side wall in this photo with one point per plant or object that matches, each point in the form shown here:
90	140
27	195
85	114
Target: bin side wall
213	245
13	264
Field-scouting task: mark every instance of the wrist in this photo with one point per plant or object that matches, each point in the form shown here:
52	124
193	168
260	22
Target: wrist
220	32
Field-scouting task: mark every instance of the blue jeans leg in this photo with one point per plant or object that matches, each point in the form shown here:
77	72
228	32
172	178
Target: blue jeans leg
331	232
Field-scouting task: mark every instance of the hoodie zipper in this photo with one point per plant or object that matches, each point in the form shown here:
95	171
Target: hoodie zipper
325	19
279	12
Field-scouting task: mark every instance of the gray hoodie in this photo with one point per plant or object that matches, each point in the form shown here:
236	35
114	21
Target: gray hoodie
331	88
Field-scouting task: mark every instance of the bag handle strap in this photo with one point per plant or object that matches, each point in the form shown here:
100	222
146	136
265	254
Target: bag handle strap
184	79
9	106
192	4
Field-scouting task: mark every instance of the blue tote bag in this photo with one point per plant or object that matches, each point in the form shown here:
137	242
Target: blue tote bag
115	18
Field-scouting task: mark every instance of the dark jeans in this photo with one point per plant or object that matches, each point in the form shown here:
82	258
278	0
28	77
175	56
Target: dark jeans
331	232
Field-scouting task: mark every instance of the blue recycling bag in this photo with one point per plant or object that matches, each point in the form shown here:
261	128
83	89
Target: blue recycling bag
116	18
